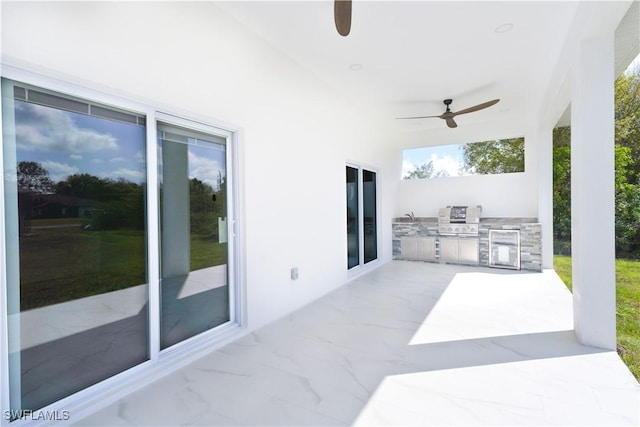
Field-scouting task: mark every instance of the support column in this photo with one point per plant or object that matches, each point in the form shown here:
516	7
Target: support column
544	140
592	193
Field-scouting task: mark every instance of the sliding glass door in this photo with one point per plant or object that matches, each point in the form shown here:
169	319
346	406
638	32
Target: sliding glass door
112	254
353	217
194	253
369	216
75	239
362	222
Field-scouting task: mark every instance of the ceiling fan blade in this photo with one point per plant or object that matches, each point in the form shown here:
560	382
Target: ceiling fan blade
342	16
477	107
451	123
418	117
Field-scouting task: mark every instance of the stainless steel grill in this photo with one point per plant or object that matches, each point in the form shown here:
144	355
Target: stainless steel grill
459	220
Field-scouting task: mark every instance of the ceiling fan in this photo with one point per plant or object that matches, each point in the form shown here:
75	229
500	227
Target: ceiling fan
448	115
342	16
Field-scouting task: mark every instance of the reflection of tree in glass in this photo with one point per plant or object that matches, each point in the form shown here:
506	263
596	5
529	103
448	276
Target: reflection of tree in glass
33	177
117	203
206	206
201	201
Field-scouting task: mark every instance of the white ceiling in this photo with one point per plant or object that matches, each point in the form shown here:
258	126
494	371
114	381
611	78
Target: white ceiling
414	54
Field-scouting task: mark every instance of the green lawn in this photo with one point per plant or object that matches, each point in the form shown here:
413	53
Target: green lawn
206	252
60	262
627	307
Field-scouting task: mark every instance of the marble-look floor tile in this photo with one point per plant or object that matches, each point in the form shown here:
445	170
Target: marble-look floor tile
407	344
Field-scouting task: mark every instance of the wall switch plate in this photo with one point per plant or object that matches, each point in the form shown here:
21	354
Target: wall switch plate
294	273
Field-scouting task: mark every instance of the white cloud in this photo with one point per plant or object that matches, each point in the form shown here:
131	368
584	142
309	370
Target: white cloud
407	167
47	129
449	164
59	171
128	174
117	159
76	156
205	169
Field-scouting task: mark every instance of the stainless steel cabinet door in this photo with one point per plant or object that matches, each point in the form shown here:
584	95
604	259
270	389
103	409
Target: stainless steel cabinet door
468	251
448	249
426	248
409	247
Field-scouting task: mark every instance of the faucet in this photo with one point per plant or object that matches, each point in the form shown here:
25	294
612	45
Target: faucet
411	216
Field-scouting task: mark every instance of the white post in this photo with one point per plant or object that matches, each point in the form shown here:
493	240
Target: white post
592	193
544	141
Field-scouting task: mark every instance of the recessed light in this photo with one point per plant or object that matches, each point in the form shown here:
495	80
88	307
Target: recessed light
504	28
355	67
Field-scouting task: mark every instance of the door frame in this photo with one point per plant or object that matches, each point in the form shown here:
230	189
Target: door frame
362	266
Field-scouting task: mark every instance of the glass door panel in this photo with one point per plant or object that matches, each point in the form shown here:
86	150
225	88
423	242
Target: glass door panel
75	192
194	254
370	215
353	223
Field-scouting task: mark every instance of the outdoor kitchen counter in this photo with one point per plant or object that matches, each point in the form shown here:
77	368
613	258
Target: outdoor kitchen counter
530	236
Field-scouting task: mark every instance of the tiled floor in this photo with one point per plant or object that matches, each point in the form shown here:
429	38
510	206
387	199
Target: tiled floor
408	344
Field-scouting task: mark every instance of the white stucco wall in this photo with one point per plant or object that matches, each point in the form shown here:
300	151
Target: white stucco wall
296	134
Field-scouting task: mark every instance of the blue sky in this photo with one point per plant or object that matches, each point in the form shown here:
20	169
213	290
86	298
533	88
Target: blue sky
444	157
67	143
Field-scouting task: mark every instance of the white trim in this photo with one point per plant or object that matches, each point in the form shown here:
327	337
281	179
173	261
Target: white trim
4	327
153	238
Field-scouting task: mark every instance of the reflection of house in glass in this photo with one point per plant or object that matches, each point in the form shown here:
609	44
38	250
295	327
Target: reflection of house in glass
34	205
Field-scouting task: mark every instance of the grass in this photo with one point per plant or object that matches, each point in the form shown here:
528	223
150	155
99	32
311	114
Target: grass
205	252
627	307
60	264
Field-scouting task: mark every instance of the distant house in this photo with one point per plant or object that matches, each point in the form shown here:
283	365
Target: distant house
34	205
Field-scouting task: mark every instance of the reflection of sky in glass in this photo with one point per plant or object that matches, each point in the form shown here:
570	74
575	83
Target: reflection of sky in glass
67	143
207	163
444	157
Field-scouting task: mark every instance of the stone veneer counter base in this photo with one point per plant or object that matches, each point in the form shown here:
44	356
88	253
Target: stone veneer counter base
530	237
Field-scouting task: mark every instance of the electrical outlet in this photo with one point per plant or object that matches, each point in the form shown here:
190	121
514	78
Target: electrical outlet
294	273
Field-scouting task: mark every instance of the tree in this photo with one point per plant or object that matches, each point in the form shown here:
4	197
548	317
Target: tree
32	176
494	157
627	127
627	170
627	120
423	171
562	184
426	170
